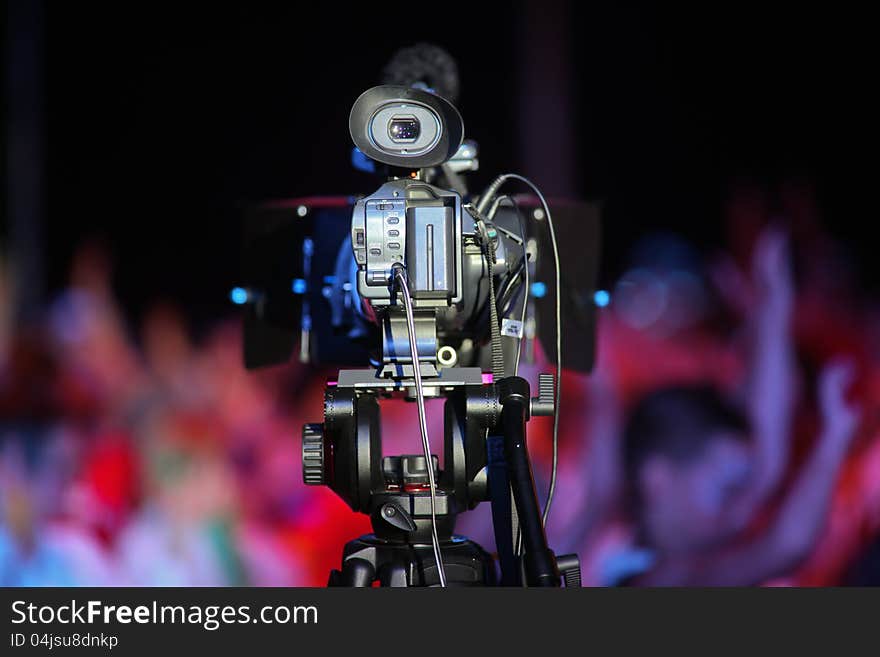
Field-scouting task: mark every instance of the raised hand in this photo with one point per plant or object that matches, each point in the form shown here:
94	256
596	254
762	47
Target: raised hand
840	417
771	272
769	284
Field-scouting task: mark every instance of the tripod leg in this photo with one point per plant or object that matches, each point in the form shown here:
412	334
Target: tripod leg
355	573
393	574
502	511
540	564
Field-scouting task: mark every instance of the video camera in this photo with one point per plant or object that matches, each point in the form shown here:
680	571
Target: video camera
433	289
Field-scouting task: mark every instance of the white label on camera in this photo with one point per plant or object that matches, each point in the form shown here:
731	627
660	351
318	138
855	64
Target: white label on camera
512	328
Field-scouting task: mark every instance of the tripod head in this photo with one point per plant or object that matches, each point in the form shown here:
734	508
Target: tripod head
345	453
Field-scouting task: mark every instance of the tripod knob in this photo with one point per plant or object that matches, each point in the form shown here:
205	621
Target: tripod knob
570	568
545	402
313	454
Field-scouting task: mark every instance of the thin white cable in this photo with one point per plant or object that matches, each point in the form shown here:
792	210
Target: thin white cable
400	275
490	192
525	302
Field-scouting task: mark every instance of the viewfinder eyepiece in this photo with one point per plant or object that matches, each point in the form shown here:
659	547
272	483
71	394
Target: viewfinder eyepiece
405	127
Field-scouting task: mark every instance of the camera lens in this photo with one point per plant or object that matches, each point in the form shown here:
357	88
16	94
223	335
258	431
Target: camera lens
404	129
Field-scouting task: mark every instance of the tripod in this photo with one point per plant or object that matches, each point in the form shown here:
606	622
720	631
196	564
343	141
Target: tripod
485	458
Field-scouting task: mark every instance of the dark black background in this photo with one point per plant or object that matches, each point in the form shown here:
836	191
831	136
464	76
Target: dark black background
162	121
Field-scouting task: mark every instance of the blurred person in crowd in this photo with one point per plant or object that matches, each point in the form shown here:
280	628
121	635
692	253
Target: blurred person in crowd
258	414
692	469
663	329
181	534
169	357
41	542
100	377
46	483
832	317
100	369
27	555
854	519
29	485
746	472
700	467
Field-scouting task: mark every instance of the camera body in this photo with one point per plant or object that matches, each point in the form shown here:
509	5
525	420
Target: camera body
411	223
421	227
318	270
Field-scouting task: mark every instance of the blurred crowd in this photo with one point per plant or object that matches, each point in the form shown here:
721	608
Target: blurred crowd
729	434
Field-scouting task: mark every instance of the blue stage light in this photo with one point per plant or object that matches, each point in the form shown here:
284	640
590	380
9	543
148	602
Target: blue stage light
601	298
